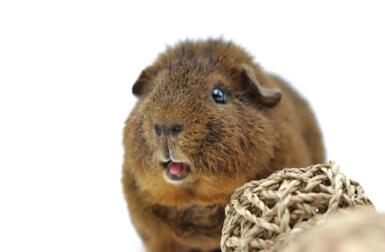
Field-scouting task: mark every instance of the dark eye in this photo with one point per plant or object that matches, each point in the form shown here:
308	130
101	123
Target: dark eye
219	95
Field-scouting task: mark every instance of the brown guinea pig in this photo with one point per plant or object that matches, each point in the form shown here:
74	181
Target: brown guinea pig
208	119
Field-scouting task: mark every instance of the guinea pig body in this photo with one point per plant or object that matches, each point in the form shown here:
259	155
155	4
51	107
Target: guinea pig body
207	120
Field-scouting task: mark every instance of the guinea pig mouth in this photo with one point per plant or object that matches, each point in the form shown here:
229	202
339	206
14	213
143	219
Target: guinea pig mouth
176	171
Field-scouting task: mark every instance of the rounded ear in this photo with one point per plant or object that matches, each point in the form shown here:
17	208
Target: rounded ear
143	84
267	96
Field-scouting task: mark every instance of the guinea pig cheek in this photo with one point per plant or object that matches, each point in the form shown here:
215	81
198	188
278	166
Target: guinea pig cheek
176	172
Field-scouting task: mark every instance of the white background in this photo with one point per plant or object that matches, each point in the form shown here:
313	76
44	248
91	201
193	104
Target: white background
66	70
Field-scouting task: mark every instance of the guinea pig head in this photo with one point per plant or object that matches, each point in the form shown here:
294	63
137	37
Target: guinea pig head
200	130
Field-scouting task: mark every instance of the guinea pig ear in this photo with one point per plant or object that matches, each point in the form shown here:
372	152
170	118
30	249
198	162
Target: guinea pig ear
267	96
143	84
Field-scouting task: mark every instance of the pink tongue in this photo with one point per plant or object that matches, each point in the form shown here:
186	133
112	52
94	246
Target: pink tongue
177	169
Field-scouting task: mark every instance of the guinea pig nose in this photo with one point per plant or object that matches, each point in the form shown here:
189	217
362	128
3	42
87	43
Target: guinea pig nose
158	129
175	129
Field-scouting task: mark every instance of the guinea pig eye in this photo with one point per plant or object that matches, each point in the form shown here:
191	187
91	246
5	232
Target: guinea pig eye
219	95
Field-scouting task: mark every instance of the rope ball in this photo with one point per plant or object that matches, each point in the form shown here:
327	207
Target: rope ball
265	215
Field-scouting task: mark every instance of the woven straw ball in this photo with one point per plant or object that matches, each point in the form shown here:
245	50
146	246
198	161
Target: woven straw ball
352	230
262	215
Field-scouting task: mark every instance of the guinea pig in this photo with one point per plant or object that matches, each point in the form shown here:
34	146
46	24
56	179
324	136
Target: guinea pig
207	120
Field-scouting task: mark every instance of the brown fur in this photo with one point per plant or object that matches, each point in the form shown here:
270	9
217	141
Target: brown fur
255	133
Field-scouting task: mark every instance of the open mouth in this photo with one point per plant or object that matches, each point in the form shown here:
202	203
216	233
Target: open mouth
176	171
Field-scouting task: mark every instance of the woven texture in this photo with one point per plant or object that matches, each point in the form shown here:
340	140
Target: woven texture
263	215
